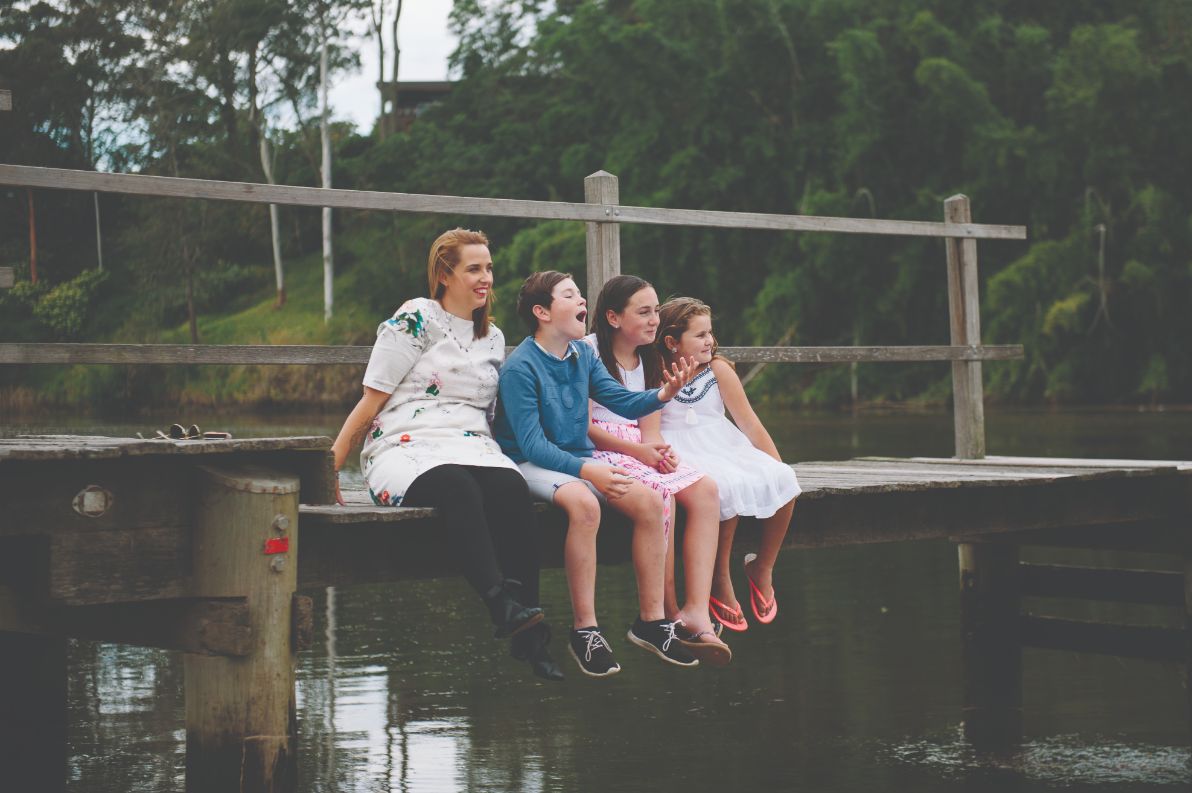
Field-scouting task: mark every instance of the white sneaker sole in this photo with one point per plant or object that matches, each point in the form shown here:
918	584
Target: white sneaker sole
645	645
616	667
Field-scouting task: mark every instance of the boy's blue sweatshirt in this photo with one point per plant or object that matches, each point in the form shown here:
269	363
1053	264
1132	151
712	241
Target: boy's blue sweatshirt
542	415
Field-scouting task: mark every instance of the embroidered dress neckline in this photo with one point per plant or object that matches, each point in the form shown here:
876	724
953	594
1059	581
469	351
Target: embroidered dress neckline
452	321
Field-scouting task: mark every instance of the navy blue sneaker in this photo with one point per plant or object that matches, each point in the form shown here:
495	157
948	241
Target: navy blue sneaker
591	651
658	637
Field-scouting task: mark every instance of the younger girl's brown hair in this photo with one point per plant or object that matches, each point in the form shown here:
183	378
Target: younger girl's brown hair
444	258
674	317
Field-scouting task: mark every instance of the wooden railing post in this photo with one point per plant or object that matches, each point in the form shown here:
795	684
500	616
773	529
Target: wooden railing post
964	312
604	239
241	722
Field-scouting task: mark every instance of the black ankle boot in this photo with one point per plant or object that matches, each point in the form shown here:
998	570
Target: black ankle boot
509	616
531	646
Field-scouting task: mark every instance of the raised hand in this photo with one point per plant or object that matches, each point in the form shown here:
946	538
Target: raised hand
679	375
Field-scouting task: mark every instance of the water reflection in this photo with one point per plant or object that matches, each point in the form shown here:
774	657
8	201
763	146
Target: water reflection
1063	760
856	687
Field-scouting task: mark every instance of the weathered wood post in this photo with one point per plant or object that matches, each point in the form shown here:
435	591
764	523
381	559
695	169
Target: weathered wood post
241	727
964	313
604	239
991	652
1188	636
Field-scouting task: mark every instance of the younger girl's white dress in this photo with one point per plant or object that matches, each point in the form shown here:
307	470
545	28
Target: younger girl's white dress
751	482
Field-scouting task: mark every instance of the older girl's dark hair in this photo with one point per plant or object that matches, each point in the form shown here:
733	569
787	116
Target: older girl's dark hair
615	295
444	258
536	291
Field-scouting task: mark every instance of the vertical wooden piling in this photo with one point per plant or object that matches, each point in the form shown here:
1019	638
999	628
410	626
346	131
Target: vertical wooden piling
964	313
241	728
991	653
1188	636
604	239
33	712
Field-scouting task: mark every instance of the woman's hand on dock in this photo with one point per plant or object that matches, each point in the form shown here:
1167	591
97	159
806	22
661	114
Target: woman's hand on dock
339	497
679	375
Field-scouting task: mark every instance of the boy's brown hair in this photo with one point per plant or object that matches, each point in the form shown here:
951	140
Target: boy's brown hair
536	291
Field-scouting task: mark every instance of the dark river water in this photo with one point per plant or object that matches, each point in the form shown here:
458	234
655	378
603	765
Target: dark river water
856	686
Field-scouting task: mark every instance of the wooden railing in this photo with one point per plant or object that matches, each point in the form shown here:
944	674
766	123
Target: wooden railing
603	213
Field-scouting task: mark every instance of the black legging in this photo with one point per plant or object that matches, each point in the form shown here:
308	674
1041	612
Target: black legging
489	520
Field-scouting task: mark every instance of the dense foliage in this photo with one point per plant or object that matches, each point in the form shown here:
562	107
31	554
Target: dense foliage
1066	117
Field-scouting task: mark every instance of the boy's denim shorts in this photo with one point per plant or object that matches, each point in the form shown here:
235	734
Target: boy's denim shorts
543	482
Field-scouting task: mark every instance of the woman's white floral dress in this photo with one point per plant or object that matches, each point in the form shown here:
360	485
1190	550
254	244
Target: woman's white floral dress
443	389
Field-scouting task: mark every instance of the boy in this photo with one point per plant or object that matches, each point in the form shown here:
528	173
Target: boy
542	424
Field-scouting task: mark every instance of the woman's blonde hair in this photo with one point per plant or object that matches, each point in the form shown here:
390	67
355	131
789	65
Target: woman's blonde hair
444	258
674	317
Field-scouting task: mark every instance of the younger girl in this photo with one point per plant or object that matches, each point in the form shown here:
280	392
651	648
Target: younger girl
625	323
742	459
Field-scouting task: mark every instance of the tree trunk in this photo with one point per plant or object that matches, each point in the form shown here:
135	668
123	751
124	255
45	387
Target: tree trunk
32	237
328	265
274	223
192	318
98	235
396	61
378	20
262	141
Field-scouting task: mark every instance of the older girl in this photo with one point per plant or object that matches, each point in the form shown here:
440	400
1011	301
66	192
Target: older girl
429	392
743	460
625	323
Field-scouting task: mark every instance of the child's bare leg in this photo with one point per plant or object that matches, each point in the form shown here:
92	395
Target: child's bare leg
774	530
671	600
722	581
702	504
579	549
643	506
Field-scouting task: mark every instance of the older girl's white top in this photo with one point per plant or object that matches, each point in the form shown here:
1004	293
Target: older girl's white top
443	389
751	482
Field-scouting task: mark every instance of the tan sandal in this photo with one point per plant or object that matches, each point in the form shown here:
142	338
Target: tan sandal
713	653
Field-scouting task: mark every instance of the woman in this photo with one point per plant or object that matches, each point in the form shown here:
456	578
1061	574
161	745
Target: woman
429	393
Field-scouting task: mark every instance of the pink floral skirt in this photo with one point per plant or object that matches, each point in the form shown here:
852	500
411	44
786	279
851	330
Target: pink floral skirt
666	484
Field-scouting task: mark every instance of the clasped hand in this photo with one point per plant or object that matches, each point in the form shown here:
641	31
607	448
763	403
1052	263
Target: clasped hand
657	455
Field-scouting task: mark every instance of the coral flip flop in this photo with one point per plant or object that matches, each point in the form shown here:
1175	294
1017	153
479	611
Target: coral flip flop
733	619
764	610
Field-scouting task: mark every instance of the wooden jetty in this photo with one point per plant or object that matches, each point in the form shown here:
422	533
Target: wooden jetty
194	545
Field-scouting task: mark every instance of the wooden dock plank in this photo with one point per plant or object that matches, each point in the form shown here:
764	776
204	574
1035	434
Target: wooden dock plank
1038	462
75	447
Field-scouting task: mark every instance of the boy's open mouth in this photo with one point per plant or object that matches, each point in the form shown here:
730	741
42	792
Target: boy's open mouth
582	316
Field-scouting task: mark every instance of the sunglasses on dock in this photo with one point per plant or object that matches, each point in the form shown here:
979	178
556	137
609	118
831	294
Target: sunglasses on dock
177	432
